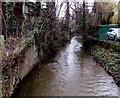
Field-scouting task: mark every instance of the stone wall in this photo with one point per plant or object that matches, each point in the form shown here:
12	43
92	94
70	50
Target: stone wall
24	58
17	65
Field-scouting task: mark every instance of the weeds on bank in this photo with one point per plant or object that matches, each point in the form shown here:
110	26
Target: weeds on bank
109	60
105	57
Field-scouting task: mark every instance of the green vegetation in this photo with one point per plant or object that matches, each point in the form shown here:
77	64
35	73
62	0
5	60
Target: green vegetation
28	43
9	16
108	57
110	61
37	8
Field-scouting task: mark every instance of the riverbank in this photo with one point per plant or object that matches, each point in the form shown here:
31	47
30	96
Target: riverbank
106	53
24	58
72	72
109	60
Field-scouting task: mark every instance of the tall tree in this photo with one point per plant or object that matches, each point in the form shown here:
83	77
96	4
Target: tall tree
104	10
67	16
0	17
84	17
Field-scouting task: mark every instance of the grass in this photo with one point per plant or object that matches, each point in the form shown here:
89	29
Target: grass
109	60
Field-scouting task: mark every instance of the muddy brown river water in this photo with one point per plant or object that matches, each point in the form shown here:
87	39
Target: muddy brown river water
73	72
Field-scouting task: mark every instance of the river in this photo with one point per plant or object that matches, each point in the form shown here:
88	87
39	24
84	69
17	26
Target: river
72	72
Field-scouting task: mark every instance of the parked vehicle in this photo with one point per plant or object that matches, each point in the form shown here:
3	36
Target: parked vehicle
113	34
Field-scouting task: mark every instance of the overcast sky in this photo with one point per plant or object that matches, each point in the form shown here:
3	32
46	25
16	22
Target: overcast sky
62	13
91	1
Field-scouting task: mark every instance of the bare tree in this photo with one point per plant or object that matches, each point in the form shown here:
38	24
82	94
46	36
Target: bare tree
67	16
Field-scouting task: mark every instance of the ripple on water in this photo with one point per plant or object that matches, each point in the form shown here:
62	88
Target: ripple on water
70	74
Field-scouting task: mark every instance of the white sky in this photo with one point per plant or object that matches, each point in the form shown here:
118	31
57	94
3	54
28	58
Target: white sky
62	13
89	1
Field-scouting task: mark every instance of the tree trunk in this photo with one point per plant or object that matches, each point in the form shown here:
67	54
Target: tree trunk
0	17
67	17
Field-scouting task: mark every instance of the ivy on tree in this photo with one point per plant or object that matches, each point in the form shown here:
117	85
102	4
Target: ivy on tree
9	16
